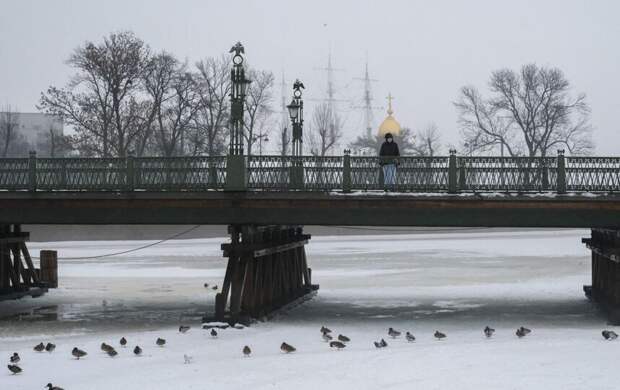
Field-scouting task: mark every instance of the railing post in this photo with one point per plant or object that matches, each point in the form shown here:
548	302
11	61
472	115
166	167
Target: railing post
235	173
32	171
452	177
130	173
561	174
346	171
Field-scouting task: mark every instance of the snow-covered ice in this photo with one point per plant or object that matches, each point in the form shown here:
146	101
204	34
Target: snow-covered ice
456	282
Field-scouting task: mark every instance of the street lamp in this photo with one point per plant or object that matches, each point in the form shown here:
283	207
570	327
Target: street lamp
296	112
239	86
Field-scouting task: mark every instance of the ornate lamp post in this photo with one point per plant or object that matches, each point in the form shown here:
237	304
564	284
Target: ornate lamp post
296	112
235	164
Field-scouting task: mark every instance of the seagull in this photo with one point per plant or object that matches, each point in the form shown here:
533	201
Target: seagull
14	369
287	348
112	352
106	347
409	337
393	333
609	335
123	341
325	330
183	328
137	350
15	358
188	359
50	347
213	332
78	353
383	343
337	345
327	337
439	335
161	342
488	331
247	351
343	338
52	387
39	347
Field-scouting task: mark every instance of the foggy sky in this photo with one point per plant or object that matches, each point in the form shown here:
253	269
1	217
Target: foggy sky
420	51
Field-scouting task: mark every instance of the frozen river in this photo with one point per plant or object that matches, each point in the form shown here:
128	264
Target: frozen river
457	281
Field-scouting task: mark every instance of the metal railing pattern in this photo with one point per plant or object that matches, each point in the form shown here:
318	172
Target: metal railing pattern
444	174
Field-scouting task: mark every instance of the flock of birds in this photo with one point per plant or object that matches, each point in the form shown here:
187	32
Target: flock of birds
338	342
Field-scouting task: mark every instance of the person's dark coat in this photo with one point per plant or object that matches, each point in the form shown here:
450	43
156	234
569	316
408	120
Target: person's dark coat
389	152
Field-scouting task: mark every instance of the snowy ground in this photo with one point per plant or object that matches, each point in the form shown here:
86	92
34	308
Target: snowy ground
456	282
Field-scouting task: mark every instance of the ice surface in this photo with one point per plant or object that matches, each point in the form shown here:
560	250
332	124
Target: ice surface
456	282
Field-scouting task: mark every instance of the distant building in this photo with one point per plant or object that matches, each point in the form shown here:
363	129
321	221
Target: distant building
35	131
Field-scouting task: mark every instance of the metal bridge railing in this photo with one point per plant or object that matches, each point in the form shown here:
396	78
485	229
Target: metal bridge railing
447	174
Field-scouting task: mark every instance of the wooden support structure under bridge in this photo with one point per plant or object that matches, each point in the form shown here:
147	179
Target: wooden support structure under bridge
605	288
18	276
267	270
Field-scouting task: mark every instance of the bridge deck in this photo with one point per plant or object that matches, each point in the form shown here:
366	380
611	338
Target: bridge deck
311	208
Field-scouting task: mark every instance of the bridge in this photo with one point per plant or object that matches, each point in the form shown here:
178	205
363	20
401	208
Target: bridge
266	201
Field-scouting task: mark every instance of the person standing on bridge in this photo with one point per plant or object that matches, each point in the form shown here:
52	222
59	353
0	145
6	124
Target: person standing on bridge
389	159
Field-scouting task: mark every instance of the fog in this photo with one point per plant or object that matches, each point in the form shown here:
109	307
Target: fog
422	52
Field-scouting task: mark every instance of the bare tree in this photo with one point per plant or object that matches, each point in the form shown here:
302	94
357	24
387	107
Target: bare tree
530	112
173	94
325	130
210	123
258	108
9	130
103	99
427	141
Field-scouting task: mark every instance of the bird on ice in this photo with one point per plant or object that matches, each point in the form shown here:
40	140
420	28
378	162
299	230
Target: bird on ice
39	347
327	337
15	358
393	333
50	347
343	338
488	331
106	347
247	351
52	387
78	353
439	336
206	285
287	348
609	335
522	332
123	341
188	359
184	328
214	287
409	337
161	342
137	350
213	332
15	369
337	344
325	330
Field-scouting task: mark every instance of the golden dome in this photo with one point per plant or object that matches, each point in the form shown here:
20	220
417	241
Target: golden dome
389	124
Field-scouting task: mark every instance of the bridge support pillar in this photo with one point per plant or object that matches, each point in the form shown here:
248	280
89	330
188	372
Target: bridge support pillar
605	288
267	270
18	276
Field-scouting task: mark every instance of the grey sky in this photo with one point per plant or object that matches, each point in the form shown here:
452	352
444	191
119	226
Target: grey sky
420	51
